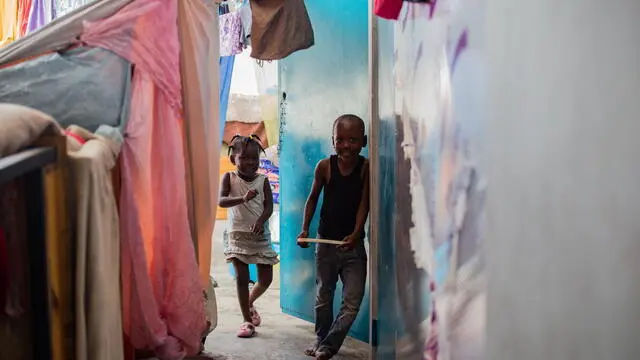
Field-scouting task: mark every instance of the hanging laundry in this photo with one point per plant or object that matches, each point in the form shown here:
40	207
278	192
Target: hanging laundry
226	72
388	9
162	305
431	3
201	126
42	13
8	21
279	28
24	8
97	243
64	7
230	34
245	18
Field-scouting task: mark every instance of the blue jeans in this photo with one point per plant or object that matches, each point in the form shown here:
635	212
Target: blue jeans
350	266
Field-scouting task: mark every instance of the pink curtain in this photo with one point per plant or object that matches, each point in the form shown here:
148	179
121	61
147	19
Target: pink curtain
163	305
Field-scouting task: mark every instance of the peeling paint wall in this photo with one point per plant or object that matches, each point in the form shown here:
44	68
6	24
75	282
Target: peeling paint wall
431	131
388	316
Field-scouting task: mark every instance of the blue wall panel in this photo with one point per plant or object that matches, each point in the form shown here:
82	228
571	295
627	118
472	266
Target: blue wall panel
316	86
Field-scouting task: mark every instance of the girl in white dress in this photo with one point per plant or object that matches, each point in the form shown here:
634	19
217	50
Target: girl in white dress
247	196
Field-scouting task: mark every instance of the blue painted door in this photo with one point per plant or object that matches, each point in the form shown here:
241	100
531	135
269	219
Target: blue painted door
316	86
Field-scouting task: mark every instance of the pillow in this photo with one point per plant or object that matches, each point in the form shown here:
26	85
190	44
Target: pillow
20	126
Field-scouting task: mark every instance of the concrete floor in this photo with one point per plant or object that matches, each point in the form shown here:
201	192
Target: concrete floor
281	337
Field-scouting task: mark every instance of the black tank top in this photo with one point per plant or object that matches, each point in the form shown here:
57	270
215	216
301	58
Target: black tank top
341	200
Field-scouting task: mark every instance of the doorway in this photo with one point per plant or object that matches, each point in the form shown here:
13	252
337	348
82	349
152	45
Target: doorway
254	107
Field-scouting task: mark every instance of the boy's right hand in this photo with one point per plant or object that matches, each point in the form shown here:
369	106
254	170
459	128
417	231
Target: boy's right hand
303	235
250	195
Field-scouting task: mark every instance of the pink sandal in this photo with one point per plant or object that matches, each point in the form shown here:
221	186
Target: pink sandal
247	330
256	320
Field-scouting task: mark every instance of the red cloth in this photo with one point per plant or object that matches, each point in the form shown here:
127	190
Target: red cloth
388	9
77	137
24	8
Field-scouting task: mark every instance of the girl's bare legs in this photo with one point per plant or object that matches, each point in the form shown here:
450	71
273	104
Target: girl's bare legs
242	287
265	277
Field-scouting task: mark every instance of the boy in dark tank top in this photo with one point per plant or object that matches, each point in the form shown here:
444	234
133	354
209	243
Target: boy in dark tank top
344	179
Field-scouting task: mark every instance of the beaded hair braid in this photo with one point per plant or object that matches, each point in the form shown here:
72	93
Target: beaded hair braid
239	143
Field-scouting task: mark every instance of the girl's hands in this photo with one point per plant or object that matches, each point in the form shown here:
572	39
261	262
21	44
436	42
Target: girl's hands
258	227
251	194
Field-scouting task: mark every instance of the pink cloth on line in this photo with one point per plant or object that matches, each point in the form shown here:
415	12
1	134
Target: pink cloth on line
163	308
144	32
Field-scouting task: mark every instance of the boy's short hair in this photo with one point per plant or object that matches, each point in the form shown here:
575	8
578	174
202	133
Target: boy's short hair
350	118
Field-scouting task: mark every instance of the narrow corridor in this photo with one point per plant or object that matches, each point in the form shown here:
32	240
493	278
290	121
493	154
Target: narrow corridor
281	337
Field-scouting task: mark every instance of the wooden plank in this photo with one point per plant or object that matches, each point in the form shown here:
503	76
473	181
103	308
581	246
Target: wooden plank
58	238
321	241
19	164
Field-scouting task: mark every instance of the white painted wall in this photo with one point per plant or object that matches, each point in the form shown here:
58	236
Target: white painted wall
564	172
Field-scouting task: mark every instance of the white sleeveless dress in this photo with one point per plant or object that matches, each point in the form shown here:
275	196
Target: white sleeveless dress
243	244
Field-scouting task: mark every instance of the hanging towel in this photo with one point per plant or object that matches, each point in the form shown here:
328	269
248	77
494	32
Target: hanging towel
279	28
8	21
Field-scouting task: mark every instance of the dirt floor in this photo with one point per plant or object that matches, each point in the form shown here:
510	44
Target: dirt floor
281	337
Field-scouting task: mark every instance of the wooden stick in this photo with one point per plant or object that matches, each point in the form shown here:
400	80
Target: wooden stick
321	241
